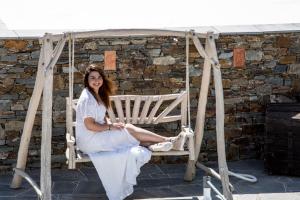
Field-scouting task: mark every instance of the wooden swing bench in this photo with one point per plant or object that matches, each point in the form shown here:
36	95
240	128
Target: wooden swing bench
146	115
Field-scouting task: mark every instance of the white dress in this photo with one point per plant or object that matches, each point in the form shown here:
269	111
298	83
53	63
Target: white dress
116	154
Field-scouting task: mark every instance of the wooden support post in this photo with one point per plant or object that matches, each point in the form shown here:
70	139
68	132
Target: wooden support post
32	108
47	123
223	169
29	120
200	119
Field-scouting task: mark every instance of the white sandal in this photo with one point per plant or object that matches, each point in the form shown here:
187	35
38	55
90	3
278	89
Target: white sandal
162	146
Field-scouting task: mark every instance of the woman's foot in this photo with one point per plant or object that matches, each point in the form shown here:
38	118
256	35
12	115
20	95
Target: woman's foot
178	141
162	146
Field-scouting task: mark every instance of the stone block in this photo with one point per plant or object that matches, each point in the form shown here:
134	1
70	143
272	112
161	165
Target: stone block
280	68
195	71
268	57
264	90
67	69
253	98
166	60
295	49
255	45
3	51
16	107
126	85
5	105
177	82
226	83
6	85
154	52
260	77
90	46
3	155
35	54
14	125
59	103
270	64
275	80
282	51
9	58
163	69
287	60
287	82
240	82
58	82
234	100
15	45
254	55
96	58
120	42
294	69
103	43
225	63
7	114
138	42
283	42
59	116
226	55
2	133
196	81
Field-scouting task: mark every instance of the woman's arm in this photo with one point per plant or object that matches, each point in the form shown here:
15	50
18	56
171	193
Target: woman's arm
91	125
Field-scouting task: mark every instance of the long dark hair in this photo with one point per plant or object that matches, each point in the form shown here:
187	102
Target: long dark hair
108	87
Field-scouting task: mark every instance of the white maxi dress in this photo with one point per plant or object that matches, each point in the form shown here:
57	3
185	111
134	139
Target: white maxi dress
116	154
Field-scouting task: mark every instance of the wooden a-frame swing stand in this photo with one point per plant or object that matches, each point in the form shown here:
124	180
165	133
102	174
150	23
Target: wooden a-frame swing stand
44	84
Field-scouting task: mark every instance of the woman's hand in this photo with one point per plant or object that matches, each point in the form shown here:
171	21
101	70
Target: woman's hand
118	125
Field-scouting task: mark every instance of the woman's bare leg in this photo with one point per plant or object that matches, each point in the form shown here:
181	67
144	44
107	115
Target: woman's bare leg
144	136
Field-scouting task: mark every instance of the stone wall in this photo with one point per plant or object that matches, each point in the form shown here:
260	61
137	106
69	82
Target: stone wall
155	66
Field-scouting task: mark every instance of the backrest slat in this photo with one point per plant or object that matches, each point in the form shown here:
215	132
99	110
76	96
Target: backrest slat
169	108
119	109
136	108
145	110
128	111
154	110
111	115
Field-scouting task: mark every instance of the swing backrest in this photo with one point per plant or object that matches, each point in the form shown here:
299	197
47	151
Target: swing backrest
141	109
148	109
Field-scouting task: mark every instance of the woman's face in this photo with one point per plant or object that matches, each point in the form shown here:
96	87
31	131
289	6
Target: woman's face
95	81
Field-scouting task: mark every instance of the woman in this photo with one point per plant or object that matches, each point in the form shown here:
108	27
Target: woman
109	143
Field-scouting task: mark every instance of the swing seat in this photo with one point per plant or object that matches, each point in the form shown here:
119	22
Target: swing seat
132	105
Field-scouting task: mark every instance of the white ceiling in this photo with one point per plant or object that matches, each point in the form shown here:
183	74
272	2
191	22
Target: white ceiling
103	14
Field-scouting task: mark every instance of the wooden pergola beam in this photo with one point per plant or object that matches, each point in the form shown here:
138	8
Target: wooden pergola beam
111	33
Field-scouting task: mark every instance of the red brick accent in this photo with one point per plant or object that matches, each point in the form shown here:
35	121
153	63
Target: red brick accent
110	60
239	57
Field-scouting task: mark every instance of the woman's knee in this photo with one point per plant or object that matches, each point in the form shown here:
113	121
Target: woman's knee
131	128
